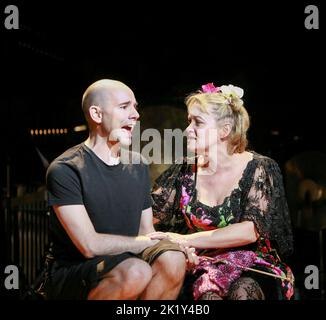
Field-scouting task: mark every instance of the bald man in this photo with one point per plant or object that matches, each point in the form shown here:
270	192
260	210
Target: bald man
101	216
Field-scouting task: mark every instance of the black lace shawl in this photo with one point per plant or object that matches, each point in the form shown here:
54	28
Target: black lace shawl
261	200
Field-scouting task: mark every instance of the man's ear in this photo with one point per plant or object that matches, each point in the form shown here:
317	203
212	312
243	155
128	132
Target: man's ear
95	113
225	130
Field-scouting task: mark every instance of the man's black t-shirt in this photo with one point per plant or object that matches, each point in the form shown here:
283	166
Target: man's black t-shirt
114	196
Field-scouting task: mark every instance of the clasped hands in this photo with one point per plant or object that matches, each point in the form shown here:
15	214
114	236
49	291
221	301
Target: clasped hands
181	240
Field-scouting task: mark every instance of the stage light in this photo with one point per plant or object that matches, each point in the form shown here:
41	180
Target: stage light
80	128
275	133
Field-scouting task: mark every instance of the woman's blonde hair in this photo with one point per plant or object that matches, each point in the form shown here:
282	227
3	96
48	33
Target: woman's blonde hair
226	106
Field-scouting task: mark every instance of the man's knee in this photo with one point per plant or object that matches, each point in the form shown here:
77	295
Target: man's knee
172	264
126	281
136	276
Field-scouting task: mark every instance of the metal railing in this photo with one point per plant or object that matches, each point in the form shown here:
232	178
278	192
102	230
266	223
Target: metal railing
26	233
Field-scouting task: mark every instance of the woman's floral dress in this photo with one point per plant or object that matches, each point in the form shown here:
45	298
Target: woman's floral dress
259	198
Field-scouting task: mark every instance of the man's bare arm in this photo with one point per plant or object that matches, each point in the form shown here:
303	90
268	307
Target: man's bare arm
146	222
77	224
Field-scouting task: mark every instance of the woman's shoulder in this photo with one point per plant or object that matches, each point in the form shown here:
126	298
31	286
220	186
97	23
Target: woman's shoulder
266	164
263	159
175	171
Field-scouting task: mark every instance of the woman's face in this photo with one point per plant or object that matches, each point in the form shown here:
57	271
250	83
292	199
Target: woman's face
202	131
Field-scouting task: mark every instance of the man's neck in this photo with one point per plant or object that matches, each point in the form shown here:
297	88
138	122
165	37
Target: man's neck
107	151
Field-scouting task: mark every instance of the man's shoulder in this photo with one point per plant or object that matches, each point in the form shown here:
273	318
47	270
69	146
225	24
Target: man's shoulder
72	157
70	154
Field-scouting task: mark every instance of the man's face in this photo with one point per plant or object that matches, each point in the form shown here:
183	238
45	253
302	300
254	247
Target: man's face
120	116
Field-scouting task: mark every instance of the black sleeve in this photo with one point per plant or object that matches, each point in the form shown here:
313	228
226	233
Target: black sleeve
63	185
147	189
166	194
266	206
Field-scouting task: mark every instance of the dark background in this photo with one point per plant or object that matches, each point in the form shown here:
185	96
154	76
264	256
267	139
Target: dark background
163	51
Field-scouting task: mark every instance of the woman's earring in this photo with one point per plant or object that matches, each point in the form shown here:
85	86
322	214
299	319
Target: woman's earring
202	160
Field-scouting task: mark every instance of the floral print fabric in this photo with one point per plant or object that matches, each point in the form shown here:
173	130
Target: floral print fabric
259	198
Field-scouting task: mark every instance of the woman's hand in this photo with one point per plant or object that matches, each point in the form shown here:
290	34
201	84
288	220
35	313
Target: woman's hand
192	258
157	235
181	240
175	237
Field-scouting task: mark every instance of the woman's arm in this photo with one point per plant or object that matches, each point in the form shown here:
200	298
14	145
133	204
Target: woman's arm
235	235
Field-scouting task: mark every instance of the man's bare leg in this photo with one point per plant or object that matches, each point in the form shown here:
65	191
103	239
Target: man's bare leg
168	275
126	281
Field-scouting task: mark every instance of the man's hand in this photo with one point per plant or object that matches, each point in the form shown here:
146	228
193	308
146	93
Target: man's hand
145	242
192	258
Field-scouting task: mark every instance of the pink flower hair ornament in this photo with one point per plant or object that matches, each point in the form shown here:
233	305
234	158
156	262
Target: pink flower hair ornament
210	88
228	91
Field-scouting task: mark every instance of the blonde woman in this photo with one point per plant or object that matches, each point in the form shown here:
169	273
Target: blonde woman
229	205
